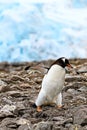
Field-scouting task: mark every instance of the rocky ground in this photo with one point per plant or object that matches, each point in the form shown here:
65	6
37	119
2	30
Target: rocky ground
19	87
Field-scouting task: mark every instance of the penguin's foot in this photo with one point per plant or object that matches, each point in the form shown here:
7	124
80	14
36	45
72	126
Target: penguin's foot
39	109
59	106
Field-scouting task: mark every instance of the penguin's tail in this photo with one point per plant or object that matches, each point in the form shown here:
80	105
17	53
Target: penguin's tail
34	105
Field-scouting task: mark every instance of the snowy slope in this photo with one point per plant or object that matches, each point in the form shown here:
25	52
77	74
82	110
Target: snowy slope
38	30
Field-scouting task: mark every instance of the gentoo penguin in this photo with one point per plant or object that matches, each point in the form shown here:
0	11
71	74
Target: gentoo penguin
52	84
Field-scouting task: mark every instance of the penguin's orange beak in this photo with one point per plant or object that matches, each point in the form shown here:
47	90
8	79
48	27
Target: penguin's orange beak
68	65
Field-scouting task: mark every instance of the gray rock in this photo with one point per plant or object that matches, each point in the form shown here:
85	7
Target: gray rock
83	68
43	126
22	121
14	123
7	100
68	125
2	83
80	116
75	127
8	123
85	127
4	114
3	86
59	118
83	89
68	120
24	127
14	93
4	128
7	110
77	78
72	91
81	98
20	105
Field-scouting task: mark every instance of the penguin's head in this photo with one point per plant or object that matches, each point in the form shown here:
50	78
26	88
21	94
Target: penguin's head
63	62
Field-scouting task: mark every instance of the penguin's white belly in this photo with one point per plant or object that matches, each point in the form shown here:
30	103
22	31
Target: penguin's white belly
52	88
53	83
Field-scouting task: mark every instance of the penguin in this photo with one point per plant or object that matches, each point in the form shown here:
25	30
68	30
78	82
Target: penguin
52	84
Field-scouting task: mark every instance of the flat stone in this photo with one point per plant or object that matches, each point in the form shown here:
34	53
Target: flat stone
68	121
74	78
72	91
75	127
8	122
59	118
22	121
24	127
2	83
6	114
3	86
43	126
8	108
3	128
7	100
14	93
83	89
80	116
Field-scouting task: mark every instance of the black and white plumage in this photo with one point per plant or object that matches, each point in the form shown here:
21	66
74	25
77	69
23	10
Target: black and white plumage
52	84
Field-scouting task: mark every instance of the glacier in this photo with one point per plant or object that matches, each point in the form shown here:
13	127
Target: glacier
37	30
